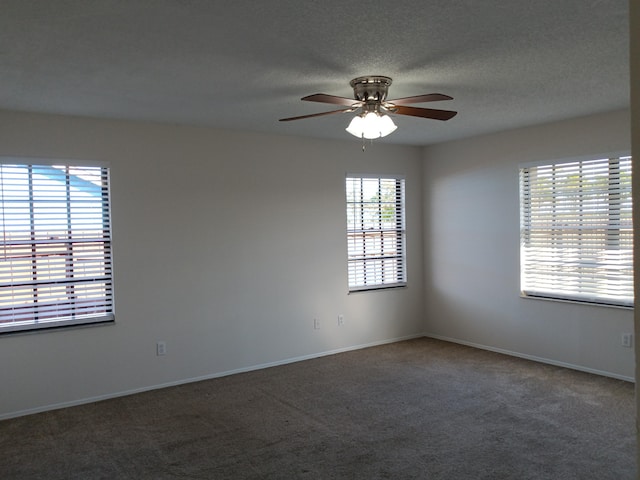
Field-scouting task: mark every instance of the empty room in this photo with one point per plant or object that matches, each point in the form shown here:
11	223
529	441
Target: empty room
304	239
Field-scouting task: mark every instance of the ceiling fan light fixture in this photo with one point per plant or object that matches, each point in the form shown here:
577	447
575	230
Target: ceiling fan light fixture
371	125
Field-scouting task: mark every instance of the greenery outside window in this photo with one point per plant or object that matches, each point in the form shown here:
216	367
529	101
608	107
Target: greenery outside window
576	232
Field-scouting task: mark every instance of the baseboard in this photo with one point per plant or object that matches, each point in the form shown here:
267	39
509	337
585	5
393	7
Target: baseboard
532	357
83	401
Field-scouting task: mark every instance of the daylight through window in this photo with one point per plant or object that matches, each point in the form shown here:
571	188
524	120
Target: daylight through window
576	235
55	252
375	232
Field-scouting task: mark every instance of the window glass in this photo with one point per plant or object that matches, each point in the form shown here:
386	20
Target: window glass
576	232
375	232
55	249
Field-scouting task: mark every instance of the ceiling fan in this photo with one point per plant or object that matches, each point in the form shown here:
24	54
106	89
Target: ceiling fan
370	101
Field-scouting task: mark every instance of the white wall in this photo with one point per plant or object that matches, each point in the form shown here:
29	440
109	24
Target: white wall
226	246
471	221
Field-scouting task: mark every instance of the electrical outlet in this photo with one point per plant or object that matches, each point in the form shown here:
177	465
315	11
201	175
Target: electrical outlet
316	323
340	320
161	348
627	340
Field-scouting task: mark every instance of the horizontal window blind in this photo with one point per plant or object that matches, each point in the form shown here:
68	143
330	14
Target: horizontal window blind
55	252
576	232
375	232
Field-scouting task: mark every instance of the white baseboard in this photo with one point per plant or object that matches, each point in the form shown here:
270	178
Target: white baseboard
532	357
82	401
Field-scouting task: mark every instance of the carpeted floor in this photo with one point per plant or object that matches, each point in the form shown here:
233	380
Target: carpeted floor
422	409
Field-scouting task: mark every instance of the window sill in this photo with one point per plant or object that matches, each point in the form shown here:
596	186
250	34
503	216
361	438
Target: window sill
575	302
31	330
377	288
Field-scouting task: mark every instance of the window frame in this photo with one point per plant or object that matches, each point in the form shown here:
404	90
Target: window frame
62	202
393	273
591	234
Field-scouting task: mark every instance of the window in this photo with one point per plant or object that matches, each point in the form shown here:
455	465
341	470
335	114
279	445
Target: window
576	235
375	232
55	251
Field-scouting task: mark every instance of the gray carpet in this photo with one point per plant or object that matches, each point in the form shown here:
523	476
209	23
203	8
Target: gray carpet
417	409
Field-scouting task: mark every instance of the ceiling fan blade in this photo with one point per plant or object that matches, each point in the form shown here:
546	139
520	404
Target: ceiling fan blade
324	98
424	112
429	97
316	114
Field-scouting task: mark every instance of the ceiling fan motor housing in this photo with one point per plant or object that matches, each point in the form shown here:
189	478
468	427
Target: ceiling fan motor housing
371	89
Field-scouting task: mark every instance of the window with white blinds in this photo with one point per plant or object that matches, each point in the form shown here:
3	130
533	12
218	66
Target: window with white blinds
55	253
375	232
576	232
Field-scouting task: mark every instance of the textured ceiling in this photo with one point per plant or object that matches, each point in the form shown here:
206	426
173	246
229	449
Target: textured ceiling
243	64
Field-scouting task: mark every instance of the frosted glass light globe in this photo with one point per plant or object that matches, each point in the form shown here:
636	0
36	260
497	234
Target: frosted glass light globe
372	125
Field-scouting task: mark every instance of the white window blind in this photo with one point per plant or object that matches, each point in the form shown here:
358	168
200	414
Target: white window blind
55	252
576	235
375	232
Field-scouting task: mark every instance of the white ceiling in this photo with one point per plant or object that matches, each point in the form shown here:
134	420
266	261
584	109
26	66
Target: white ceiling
243	64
